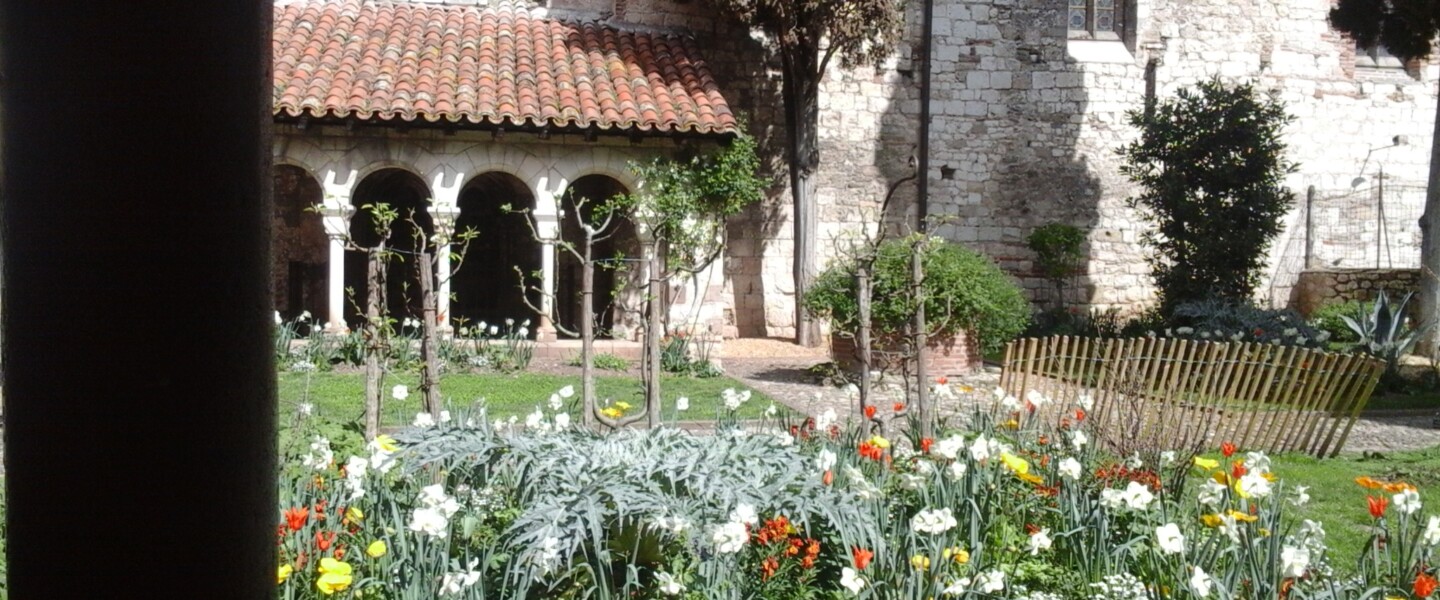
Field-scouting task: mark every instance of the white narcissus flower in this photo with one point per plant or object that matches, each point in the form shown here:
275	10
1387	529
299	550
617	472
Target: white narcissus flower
1167	458
423	420
980	450
1407	501
562	421
948	448
1301	495
320	454
1078	439
682	404
1169	538
729	537
1257	461
956	470
1040	540
825	460
1212	493
1253	485
1137	496
851	580
1432	531
957	587
771	411
1112	499
933	521
744	513
444	416
1294	561
1201	582
429	521
555	402
567	391
1230	527
307	408
1086	401
399	392
668	585
990	581
1070	468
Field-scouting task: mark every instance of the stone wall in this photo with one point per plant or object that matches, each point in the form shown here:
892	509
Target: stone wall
1314	289
948	356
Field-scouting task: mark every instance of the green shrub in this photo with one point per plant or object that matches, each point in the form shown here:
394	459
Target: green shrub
1075	322
1058	254
1327	319
964	291
1210	165
604	361
1226	321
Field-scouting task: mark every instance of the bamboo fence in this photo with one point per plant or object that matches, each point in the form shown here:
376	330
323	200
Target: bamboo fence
1168	393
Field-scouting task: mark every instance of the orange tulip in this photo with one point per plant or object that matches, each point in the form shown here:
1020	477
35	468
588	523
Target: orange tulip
870	412
1228	449
862	557
1425	585
925	444
295	517
1377	505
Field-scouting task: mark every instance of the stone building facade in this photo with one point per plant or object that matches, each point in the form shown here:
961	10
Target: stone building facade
1028	113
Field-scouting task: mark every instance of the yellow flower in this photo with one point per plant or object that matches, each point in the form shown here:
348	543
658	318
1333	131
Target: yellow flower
622	405
386	443
957	554
1015	463
965	389
354	515
334	576
1030	478
1206	463
1011	424
283	573
376	549
920	561
1240	516
1264	532
1211	520
1270	477
611	412
879	442
1220	477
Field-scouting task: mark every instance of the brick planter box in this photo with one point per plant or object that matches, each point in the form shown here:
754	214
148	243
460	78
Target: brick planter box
953	355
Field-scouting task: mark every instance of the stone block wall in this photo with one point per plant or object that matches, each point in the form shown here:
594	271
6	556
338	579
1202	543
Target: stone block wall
1314	289
949	356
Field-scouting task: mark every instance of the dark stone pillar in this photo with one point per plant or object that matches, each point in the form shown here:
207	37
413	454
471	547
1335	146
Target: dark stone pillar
139	396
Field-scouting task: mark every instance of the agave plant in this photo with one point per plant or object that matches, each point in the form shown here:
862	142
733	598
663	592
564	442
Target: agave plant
1384	331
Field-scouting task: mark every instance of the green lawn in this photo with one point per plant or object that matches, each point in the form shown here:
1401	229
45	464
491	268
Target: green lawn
1339	503
341	395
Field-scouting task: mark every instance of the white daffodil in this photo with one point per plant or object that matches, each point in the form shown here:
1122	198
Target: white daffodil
567	391
1086	401
429	521
1253	485
1201	582
1137	496
980	449
1257	461
1078	439
948	448
668	585
1407	501
423	420
825	460
1169	539
555	402
1039	541
990	581
682	404
956	471
1432	531
1070	468
851	580
744	513
1212	493
957	587
320	454
399	392
933	521
1294	561
1300	495
562	421
729	537
1112	499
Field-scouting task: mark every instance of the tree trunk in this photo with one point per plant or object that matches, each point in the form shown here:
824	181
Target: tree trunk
863	288
1429	295
429	362
587	332
922	379
652	334
374	345
801	87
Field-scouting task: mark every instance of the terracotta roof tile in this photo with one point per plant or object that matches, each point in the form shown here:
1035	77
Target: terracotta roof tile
468	65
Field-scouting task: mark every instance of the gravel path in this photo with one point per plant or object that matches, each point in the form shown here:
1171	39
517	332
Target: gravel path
780	370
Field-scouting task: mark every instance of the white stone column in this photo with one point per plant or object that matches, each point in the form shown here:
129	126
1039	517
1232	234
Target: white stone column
335	300
547	217
443	272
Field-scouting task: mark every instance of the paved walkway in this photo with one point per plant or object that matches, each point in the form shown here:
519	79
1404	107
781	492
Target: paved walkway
781	370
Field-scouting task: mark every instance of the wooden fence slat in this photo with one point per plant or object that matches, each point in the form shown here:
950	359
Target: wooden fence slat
1357	404
1323	395
1286	405
1170	403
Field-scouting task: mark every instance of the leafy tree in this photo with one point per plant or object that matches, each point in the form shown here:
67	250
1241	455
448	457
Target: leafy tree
1211	165
1407	29
807	35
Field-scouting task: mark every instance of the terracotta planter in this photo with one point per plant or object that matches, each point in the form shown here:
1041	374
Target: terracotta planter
956	355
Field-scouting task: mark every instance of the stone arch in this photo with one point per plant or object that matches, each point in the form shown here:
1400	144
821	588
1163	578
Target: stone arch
406	192
485	283
615	290
300	250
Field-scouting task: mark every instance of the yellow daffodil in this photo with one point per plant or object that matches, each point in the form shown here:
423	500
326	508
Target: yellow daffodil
386	443
957	554
1270	477
622	405
1011	424
1206	463
354	515
1240	516
1015	463
1030	478
334	576
283	573
1264	532
880	442
920	561
376	549
1220	477
611	412
1211	520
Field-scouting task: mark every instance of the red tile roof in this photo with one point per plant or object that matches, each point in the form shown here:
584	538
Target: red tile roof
472	66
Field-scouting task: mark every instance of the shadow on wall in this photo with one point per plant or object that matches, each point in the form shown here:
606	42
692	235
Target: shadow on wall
1006	149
